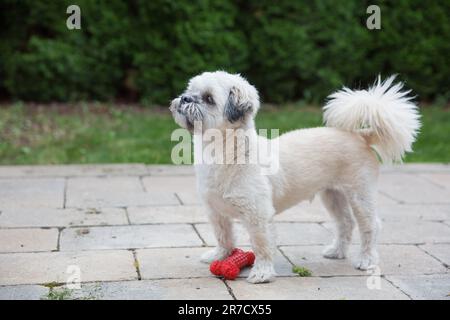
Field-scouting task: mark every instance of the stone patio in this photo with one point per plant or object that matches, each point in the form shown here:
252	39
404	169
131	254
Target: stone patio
136	232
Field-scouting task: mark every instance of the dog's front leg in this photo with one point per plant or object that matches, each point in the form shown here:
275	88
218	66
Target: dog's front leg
263	244
223	231
256	216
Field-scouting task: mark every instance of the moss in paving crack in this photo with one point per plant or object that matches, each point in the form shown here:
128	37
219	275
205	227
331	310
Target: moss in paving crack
93	211
63	293
301	271
59	294
52	285
82	232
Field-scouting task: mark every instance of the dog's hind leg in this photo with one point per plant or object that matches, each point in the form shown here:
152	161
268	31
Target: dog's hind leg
363	205
339	208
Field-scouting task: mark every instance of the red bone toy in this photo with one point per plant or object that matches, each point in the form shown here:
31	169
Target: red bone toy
231	266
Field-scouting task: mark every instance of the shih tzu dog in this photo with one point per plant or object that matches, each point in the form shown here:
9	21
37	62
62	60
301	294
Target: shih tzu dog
340	162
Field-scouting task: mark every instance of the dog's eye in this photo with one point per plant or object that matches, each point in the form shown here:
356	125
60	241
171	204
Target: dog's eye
208	98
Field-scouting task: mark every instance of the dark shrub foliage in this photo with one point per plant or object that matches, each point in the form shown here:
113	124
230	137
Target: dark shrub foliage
147	50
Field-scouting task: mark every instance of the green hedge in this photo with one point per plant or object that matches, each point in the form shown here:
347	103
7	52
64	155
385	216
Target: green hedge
147	50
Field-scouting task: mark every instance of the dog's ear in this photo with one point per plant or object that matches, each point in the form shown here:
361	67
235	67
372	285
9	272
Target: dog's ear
240	104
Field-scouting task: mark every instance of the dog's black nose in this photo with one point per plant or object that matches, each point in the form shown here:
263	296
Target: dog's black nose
186	99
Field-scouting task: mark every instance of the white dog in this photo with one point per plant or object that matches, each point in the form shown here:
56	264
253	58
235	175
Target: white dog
338	161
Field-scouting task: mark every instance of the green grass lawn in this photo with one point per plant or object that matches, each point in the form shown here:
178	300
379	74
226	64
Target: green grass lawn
98	133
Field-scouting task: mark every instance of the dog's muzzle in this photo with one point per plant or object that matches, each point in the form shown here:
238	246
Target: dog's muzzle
190	110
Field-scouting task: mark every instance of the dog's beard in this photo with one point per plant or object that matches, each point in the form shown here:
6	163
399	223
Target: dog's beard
189	125
190	113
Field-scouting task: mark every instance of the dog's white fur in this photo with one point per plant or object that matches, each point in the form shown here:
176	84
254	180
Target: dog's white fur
337	162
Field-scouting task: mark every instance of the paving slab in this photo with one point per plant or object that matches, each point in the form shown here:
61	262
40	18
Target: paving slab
167	214
185	263
106	216
184	186
169	183
409	188
82	170
414	232
304	212
171	170
408	212
316	288
440	179
113	192
133	169
310	257
172	263
23	292
439	251
189	197
49	217
416	168
424	287
407	232
125	237
301	234
176	170
386	199
282	266
47	267
394	259
168	289
31	193
286	234
28	240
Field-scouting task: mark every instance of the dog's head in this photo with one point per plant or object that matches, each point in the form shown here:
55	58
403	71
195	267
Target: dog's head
218	100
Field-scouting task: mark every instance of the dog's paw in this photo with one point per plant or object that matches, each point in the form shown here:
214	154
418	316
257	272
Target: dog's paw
214	254
366	261
334	252
261	272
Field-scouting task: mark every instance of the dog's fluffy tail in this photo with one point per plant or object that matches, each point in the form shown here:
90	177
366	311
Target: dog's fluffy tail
384	115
